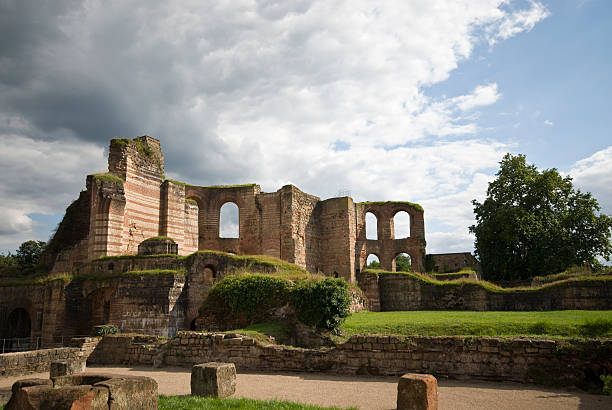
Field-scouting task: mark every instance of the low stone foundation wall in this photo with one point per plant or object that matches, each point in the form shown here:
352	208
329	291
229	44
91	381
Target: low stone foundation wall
556	362
37	361
397	291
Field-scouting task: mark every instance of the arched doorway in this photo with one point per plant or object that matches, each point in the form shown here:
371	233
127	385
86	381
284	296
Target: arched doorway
403	262
18	329
373	262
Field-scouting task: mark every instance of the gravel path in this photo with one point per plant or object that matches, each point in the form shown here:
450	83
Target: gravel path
367	392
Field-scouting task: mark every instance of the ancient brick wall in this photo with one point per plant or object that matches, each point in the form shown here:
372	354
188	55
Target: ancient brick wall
403	292
336	219
560	362
39	361
386	247
453	262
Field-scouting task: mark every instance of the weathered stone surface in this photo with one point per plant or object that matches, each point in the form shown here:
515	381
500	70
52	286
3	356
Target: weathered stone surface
455	357
126	393
85	391
63	368
417	392
213	379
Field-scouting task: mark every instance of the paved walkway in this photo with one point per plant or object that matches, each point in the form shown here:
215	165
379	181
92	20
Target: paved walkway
367	392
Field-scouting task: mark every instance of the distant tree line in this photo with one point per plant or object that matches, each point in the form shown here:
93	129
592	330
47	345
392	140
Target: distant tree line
24	262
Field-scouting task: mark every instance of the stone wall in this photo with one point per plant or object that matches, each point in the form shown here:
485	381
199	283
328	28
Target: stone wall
561	362
38	361
405	292
386	247
133	202
453	262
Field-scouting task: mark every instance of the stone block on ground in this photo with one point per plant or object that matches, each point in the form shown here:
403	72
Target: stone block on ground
417	392
85	391
213	379
66	367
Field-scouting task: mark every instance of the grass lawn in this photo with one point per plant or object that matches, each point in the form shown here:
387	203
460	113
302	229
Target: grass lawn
562	323
194	402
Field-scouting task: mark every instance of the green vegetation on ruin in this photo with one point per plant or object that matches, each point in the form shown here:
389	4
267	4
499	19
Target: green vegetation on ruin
230	186
320	303
107	177
191	201
550	324
176	182
120	257
197	402
120	142
67	278
491	287
261	332
248	261
158	238
410	204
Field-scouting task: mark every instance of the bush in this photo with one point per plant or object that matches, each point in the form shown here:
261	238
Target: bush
323	304
251	294
607	384
104	330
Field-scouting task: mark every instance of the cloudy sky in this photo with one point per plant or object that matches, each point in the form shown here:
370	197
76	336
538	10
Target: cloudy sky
390	100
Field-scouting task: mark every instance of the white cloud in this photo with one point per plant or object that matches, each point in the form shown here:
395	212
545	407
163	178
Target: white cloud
548	122
594	174
250	91
510	24
481	96
40	177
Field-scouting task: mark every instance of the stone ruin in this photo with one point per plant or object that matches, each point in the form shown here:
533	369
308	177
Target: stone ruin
133	202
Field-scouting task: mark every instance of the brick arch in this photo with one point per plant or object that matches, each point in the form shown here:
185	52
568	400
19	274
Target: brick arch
407	252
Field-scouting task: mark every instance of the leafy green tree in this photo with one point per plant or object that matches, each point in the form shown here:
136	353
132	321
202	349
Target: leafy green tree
402	263
534	223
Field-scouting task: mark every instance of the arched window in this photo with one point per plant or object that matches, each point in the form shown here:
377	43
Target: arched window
229	221
371	227
373	261
403	263
401	225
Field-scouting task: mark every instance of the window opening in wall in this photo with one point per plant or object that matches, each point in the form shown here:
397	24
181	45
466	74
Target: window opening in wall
111	266
373	261
371	226
229	221
401	225
403	263
336	274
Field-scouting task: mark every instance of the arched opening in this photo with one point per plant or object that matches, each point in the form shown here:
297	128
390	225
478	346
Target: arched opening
18	324
192	325
371	226
401	225
372	261
210	272
336	275
229	221
403	263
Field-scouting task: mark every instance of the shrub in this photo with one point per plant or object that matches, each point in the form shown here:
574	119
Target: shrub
607	384
323	304
251	294
104	330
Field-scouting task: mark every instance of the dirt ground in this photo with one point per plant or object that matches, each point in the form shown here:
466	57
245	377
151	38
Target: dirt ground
365	392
